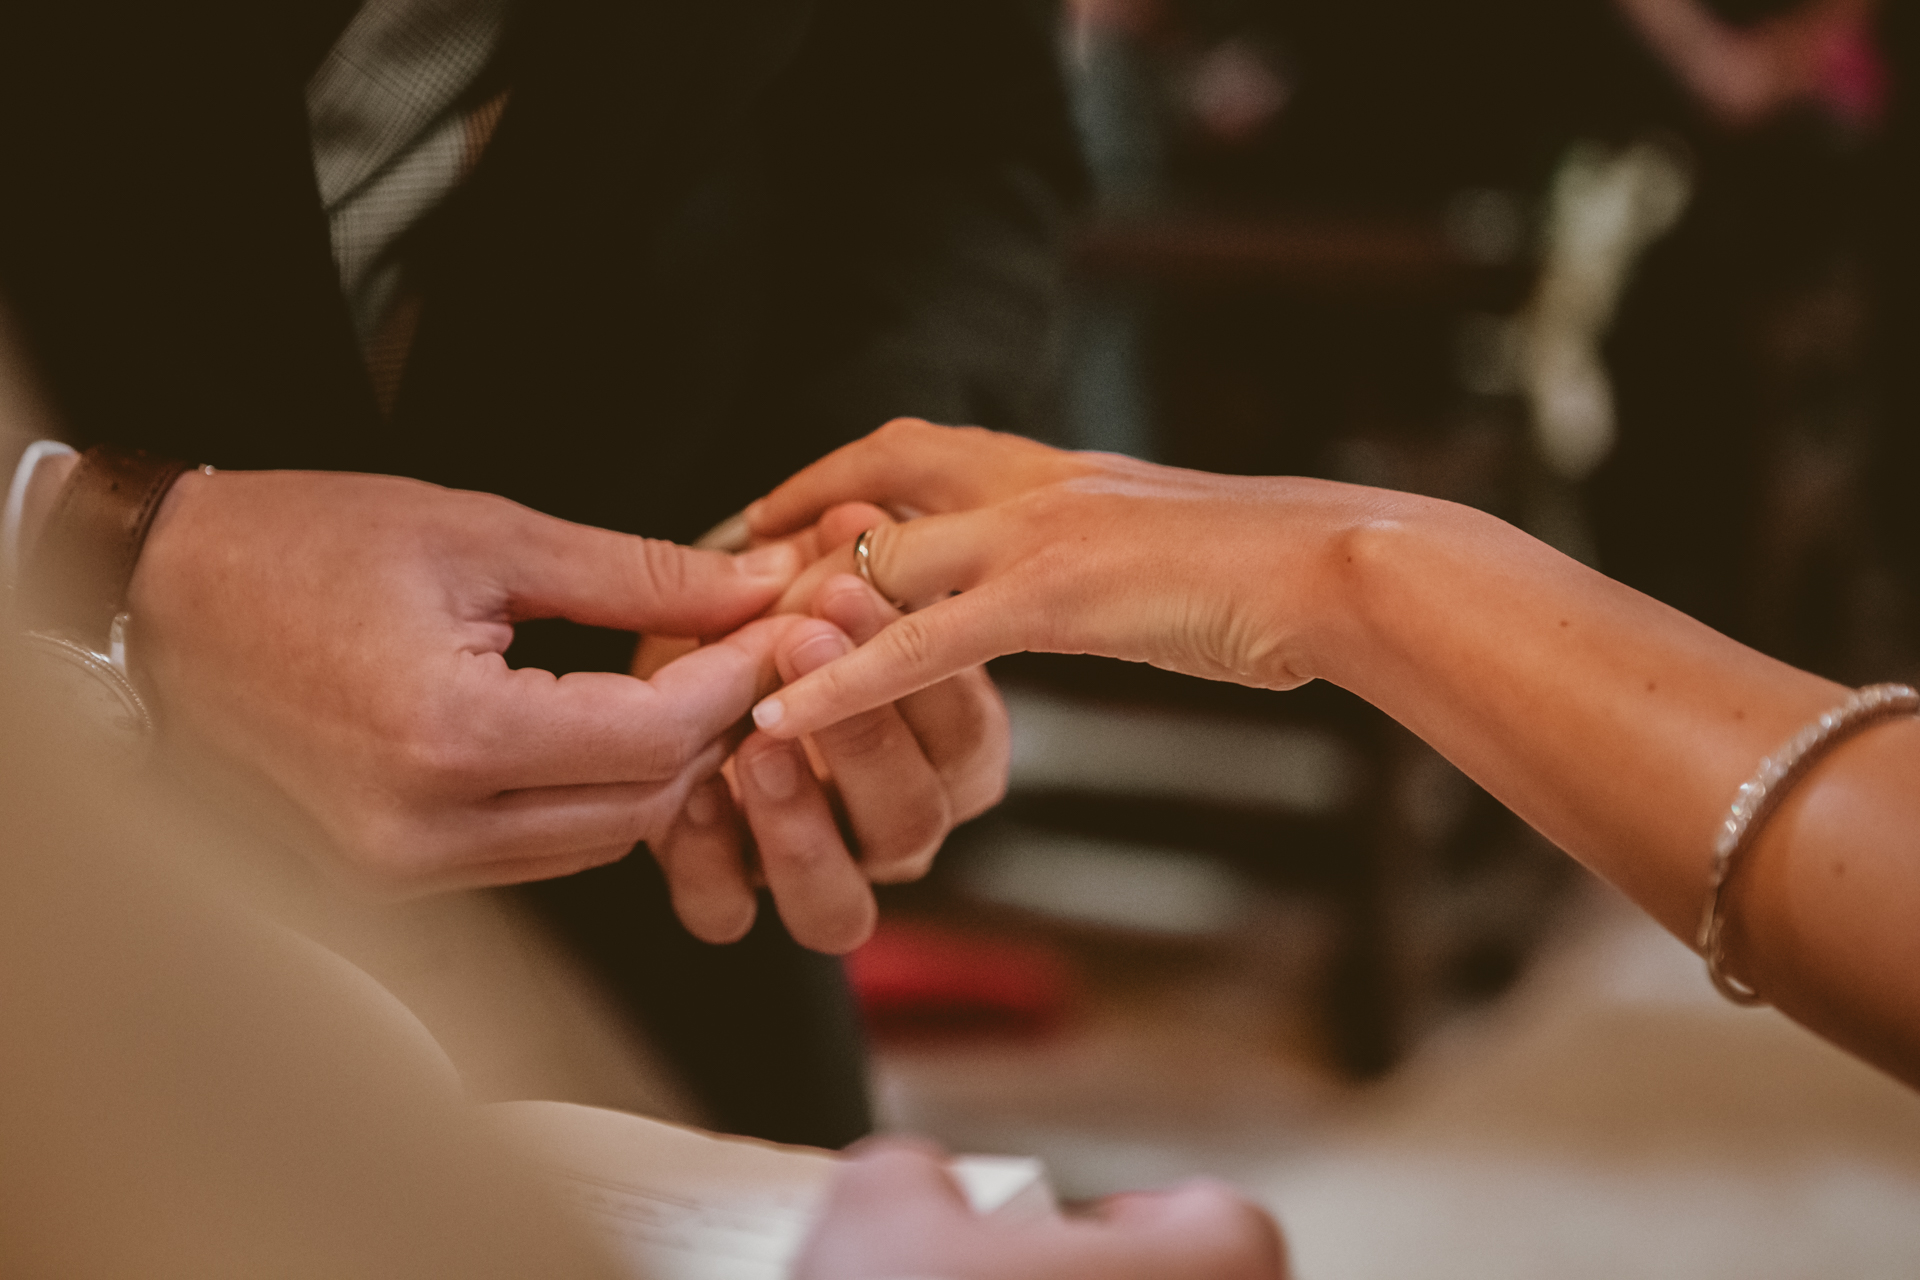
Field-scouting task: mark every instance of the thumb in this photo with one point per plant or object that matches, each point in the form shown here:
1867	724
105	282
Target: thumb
561	570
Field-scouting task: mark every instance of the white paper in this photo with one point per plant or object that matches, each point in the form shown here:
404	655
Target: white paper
682	1204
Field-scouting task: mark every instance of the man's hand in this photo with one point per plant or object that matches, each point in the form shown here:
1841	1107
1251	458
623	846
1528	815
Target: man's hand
894	1212
344	636
866	801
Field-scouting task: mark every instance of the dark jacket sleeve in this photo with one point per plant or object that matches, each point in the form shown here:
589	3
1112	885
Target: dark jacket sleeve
933	170
161	240
711	242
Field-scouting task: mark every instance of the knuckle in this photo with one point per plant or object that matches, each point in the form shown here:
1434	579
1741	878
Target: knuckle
833	683
658	567
427	744
384	842
904	430
1042	508
908	852
669	743
424	756
495	507
912	642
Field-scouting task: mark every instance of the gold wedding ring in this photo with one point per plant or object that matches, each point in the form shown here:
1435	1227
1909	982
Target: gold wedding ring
863	564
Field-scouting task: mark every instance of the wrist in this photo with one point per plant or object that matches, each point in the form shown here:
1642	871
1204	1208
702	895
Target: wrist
78	568
166	594
172	524
1360	595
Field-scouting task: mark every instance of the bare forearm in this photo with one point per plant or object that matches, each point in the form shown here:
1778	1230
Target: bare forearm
1621	729
1617	726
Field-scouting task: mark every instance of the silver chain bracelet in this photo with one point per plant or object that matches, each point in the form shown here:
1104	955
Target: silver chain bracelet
1760	794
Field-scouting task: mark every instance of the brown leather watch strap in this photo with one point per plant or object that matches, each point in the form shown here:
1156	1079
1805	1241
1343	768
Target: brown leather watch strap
78	570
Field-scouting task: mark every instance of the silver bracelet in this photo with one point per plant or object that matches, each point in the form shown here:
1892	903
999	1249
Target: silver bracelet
1760	794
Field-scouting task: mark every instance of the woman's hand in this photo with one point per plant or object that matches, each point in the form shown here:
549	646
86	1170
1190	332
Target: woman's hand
1062	553
893	1212
866	800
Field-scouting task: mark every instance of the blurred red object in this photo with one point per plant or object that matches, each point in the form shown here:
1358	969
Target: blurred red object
1853	78
928	981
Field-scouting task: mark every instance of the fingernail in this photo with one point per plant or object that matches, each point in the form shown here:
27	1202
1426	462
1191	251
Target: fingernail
819	651
778	560
774	773
701	808
769	713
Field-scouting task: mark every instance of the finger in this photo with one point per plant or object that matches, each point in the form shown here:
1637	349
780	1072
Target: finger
959	723
829	546
528	870
657	649
558	569
528	728
703	858
919	650
891	1170
1203	1222
875	1144
560	819
822	896
531	834
916	562
840	525
895	803
913	465
837	528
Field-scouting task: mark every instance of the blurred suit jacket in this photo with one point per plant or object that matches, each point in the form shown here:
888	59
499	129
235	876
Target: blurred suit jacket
709	241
